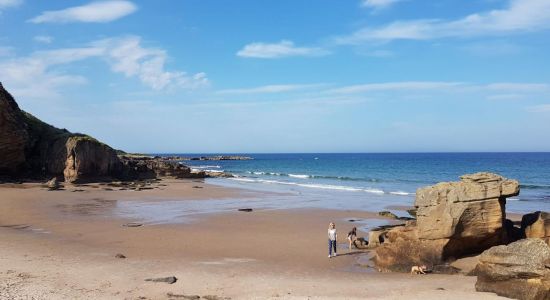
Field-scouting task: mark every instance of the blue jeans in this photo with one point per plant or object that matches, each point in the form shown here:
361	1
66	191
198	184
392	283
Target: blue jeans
331	247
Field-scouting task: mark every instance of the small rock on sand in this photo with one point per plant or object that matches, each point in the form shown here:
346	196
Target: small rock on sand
53	184
214	297
120	255
245	209
197	187
169	280
132	224
180	296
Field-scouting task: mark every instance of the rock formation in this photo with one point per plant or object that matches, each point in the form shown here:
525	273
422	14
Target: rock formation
469	213
32	148
13	134
453	219
520	270
536	225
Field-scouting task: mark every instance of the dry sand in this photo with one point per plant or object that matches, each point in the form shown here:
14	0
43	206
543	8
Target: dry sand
62	245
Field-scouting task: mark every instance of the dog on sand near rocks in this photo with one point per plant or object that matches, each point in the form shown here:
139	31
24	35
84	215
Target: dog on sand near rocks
418	269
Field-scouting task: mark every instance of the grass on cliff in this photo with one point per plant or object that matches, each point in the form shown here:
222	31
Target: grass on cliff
39	129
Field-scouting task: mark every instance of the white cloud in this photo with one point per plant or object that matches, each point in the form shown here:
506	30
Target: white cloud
543	108
38	75
378	4
94	12
505	97
46	39
6	51
268	89
519	87
127	56
395	86
10	3
518	16
283	48
506	90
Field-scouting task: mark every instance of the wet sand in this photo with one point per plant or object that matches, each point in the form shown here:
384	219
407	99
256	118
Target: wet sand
62	245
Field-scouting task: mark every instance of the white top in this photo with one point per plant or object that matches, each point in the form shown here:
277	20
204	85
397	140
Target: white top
332	234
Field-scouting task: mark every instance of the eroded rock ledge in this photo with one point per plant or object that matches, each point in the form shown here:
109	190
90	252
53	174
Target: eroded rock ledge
454	219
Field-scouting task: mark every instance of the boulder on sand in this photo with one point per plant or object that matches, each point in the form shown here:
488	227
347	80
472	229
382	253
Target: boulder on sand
454	219
53	184
536	225
520	270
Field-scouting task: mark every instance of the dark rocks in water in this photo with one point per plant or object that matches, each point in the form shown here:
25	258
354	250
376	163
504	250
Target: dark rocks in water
53	184
132	224
169	280
520	270
219	157
387	214
245	209
120	255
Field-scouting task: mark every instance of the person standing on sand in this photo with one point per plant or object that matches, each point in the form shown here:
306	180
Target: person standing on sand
352	236
332	237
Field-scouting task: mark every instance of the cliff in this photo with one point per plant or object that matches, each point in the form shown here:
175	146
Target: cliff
32	148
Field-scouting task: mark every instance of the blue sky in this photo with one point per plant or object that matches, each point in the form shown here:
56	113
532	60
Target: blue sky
285	75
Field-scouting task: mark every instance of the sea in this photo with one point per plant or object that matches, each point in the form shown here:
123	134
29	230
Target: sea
353	181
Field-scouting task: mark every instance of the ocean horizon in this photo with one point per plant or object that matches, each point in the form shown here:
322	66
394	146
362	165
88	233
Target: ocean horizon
367	181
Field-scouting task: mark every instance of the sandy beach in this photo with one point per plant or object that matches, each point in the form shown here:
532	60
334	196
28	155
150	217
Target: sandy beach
62	245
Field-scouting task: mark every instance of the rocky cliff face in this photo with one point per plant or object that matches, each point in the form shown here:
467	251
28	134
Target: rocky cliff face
13	134
30	147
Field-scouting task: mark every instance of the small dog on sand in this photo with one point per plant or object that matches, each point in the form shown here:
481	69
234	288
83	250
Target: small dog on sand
418	269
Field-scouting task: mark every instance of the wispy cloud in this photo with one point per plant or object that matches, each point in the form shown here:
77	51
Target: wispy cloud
268	89
129	57
281	49
46	39
10	3
6	51
378	4
395	86
543	108
519	87
518	16
37	75
94	12
493	91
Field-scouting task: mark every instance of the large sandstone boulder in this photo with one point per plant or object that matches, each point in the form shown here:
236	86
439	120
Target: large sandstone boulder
520	270
13	135
469	213
454	219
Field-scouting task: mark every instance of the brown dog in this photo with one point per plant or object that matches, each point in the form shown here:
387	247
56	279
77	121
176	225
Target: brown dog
418	269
